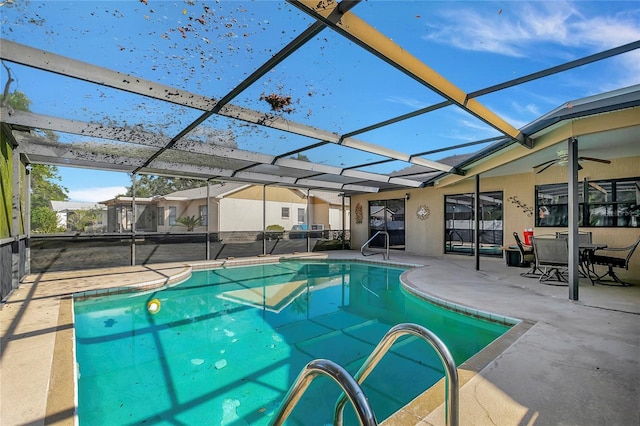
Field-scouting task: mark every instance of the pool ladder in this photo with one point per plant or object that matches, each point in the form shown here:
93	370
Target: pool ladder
351	384
386	244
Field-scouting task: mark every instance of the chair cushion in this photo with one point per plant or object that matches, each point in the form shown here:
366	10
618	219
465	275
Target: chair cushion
608	260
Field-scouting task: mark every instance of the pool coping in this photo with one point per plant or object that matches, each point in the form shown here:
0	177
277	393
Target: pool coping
576	351
435	396
415	411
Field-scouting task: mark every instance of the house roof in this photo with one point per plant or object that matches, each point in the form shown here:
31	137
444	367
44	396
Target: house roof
330	197
61	206
218	190
120	199
221	190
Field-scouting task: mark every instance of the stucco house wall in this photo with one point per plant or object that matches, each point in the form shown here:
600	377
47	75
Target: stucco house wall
426	237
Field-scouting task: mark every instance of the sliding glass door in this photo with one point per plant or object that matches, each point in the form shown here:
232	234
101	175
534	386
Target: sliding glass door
387	215
460	223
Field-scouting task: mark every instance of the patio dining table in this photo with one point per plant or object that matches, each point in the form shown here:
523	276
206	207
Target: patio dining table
585	250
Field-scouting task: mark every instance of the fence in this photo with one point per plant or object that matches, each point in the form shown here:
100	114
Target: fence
63	252
13	264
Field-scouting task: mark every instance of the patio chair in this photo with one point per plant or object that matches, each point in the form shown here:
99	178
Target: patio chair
610	260
529	257
552	258
583	237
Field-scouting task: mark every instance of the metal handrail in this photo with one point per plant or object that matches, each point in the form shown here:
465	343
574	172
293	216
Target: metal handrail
452	400
386	240
351	389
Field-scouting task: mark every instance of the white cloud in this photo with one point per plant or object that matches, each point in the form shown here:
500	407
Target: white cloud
414	103
522	28
96	194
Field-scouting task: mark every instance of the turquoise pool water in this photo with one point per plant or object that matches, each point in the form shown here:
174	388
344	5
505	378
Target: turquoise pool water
225	345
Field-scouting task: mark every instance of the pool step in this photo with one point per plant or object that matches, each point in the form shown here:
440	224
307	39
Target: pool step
348	340
338	320
302	331
336	346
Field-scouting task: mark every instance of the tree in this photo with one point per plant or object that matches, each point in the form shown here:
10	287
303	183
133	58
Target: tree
43	177
44	221
79	220
17	100
300	157
150	186
44	189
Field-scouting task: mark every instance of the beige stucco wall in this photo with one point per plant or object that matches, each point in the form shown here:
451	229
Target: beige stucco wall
273	193
426	237
319	212
242	210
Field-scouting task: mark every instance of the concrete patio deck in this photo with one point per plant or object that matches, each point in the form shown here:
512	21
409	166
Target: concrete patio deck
571	363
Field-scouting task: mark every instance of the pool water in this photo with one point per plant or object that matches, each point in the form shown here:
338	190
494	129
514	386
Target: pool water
223	347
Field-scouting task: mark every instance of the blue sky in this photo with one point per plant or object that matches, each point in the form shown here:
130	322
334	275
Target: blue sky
336	85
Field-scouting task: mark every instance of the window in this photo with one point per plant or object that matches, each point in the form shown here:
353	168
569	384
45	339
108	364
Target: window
301	218
285	212
172	216
203	215
161	216
609	203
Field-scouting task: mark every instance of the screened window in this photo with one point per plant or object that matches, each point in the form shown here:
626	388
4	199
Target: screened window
285	212
172	216
301	216
609	203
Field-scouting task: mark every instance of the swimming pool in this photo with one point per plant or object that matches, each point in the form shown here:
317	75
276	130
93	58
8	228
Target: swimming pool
224	346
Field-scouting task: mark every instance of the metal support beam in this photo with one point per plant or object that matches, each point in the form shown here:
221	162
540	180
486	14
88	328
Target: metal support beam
507	84
133	222
16	216
574	254
264	219
476	221
208	219
308	223
42	150
369	38
27	220
344	231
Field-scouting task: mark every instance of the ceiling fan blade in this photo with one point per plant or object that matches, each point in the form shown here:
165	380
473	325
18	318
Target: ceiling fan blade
545	163
598	187
551	163
599	160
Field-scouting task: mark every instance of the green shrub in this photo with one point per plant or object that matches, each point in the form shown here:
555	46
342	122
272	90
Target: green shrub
274	232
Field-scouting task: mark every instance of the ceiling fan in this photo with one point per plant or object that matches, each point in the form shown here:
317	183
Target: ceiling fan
563	159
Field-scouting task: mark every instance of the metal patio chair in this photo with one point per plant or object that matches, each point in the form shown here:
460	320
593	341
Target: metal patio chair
611	260
552	258
583	237
527	256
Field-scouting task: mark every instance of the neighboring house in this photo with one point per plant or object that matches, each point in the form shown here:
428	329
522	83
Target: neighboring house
120	214
65	209
231	207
